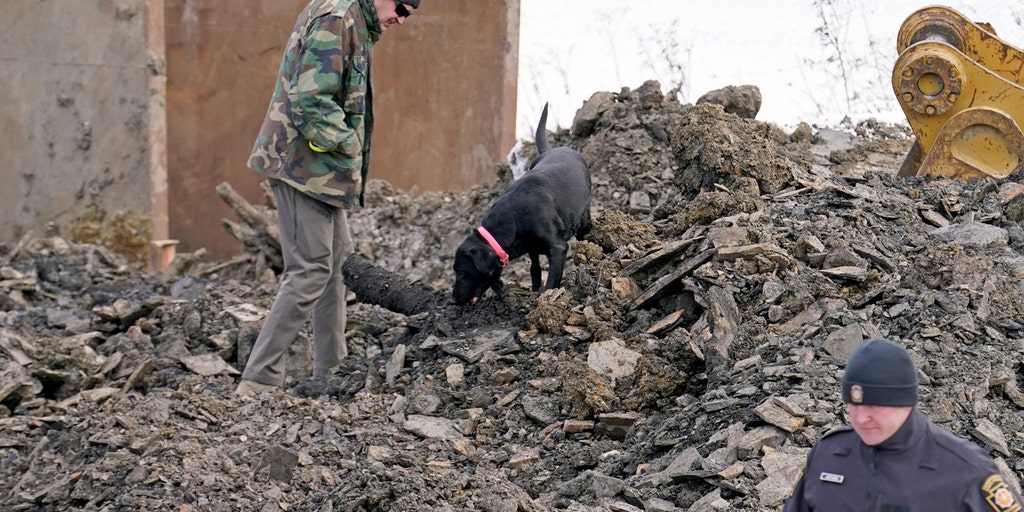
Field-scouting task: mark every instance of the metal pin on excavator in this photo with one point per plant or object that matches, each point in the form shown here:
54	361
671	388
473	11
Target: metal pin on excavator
961	89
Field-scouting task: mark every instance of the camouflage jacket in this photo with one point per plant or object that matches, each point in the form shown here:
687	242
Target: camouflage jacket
323	96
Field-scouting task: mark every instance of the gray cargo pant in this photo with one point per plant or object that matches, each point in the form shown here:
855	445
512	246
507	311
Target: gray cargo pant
315	241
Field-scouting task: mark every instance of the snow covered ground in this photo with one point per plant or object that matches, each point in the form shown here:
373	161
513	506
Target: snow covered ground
814	60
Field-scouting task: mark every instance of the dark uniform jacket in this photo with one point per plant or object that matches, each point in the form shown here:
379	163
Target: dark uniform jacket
323	96
922	467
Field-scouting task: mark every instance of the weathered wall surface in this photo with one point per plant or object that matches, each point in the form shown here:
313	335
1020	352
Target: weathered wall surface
444	100
88	148
222	57
446	97
75	82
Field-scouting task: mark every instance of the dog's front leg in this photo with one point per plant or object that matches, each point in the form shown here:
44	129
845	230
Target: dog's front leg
556	264
498	287
535	271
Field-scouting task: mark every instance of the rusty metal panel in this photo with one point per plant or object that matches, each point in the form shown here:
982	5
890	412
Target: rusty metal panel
222	57
76	115
444	96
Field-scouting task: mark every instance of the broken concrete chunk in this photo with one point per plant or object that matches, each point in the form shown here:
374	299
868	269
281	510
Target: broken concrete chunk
208	364
281	463
770	412
433	427
525	458
842	343
754	441
612	358
616	425
455	374
847	273
543	410
783	468
990	434
394	365
472	347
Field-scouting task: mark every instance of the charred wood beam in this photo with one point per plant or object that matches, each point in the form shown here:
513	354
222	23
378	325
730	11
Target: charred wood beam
376	285
259	235
257	231
260	221
255	242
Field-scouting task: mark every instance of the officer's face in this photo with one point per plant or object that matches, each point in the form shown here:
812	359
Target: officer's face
876	423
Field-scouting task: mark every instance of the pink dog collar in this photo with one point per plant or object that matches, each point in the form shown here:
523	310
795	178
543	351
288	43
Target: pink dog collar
494	244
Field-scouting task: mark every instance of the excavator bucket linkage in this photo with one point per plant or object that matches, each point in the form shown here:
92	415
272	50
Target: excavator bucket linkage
961	89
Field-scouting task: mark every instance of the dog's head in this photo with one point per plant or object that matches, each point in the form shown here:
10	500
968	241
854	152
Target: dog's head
477	268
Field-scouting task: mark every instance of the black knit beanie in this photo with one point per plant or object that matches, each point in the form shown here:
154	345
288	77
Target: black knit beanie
880	372
414	3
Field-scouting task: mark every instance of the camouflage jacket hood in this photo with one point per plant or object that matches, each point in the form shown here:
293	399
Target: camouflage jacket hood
323	96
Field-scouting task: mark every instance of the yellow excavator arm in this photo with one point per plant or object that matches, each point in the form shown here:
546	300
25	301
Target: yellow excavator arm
960	87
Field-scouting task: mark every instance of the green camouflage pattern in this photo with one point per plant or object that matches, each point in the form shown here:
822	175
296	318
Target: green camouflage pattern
323	96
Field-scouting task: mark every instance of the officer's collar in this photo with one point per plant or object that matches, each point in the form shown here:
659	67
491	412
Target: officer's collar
907	434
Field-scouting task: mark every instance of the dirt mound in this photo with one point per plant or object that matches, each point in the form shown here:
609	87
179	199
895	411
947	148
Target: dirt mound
688	363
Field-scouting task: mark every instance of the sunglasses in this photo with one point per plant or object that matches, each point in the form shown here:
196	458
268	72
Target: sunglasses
401	10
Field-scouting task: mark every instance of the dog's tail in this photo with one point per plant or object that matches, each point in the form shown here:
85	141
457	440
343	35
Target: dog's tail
541	138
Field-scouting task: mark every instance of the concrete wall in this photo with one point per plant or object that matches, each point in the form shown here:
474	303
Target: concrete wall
90	146
81	103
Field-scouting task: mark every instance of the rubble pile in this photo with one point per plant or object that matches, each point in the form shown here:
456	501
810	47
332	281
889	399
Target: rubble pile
689	362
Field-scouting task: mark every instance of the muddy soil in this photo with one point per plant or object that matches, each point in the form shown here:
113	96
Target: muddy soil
690	360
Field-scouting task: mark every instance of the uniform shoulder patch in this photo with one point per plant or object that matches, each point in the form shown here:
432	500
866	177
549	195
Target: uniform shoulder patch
999	496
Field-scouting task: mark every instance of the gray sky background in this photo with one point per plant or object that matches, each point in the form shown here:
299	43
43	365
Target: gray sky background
570	49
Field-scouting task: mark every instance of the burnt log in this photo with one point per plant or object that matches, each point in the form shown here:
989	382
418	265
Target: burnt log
373	284
263	221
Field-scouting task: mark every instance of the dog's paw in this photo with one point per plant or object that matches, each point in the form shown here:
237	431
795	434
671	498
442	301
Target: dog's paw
499	287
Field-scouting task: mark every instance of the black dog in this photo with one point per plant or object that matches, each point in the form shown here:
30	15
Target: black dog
538	214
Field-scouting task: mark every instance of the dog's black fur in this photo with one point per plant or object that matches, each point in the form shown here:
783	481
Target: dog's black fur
538	214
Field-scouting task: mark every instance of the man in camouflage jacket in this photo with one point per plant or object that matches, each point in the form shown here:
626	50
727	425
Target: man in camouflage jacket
314	147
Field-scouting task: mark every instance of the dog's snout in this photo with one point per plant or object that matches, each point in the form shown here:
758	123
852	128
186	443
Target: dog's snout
459	296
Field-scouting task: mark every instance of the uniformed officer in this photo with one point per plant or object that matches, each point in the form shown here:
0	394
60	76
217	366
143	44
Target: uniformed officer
891	458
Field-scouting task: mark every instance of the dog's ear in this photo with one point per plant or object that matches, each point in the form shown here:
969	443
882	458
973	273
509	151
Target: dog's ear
484	260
